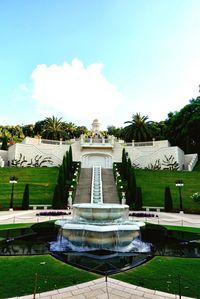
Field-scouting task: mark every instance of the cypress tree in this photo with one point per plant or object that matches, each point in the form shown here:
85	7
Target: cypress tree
65	170
131	186
62	185
25	200
56	201
138	199
168	203
70	161
67	166
124	162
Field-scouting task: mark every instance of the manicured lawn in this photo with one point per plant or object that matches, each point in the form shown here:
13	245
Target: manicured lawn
153	184
15	225
41	185
183	228
18	275
165	274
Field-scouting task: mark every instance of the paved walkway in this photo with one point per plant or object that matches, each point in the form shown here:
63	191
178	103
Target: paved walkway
99	288
162	218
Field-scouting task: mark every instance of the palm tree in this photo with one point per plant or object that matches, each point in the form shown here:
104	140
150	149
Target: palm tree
70	129
53	128
139	128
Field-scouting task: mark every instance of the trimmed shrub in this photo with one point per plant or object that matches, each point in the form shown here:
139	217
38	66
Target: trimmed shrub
168	200
138	199
25	200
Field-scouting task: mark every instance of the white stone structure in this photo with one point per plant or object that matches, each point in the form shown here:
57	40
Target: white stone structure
96	127
96	151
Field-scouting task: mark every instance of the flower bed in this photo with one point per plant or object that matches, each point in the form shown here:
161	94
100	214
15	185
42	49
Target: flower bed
134	214
53	213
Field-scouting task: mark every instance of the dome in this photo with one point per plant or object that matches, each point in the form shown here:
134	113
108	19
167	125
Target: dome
96	120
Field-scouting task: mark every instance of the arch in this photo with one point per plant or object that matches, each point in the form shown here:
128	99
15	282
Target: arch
90	159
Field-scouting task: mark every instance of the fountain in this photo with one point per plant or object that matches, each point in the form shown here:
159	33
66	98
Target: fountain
98	226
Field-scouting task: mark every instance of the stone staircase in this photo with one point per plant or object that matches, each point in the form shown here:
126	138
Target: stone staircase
83	192
109	188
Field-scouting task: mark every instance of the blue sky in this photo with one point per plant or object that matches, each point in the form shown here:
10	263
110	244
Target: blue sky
106	59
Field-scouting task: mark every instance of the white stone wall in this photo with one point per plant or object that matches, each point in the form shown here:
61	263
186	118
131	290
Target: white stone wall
148	156
191	160
142	156
4	157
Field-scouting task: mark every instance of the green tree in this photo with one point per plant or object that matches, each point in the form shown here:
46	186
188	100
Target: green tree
25	200
4	145
39	127
139	128
168	200
124	165
131	188
56	201
182	127
53	128
28	130
70	130
62	185
117	132
70	159
138	199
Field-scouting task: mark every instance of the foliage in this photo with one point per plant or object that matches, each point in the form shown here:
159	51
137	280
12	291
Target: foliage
53	213
53	128
67	177
57	201
117	132
168	203
4	145
139	128
182	127
25	200
124	165
131	188
138	199
196	197
142	214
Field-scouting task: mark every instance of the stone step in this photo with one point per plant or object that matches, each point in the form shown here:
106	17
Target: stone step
109	188
83	192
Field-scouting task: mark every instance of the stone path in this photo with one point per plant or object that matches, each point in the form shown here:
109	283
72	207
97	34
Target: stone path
100	289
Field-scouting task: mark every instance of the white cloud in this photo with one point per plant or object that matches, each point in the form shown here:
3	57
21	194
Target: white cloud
76	92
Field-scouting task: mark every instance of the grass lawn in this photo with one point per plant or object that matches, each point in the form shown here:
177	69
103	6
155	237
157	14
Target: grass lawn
183	228
15	225
165	273
51	274
41	185
153	185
